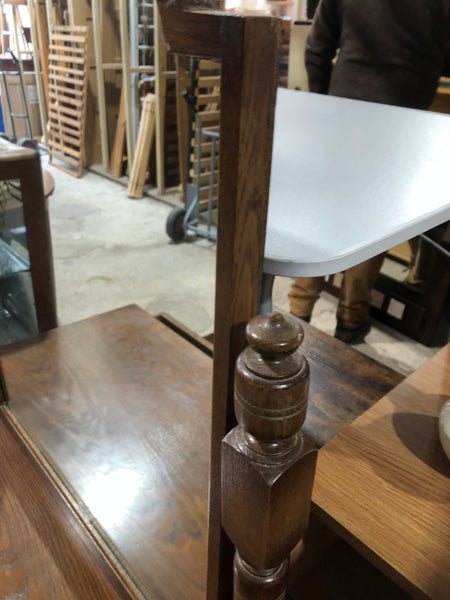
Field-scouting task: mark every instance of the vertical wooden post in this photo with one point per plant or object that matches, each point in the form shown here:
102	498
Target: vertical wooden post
96	21
247	102
49	7
248	49
126	79
37	69
160	92
267	463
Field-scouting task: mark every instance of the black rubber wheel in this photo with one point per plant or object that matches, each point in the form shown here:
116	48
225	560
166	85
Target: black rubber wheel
174	224
28	143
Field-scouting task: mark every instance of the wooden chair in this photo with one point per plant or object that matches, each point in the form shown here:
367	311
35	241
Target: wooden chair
107	428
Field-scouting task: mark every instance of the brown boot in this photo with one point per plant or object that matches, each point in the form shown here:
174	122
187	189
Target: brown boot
355	335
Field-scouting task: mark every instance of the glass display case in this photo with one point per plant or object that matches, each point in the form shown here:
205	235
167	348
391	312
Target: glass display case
18	313
27	291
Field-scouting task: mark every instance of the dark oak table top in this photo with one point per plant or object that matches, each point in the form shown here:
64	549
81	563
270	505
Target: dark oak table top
119	405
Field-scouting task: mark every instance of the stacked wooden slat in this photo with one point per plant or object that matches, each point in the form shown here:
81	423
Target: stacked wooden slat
207	105
144	144
67	93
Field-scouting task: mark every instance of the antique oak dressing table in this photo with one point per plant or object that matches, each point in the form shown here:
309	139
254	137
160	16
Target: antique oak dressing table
110	427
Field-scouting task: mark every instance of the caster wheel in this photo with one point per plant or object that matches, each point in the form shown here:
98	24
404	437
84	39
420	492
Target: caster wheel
28	143
175	225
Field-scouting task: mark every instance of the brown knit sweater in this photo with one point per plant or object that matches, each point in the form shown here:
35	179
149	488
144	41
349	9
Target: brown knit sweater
390	51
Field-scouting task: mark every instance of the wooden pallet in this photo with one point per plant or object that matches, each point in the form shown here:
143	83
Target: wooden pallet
68	94
207	98
207	103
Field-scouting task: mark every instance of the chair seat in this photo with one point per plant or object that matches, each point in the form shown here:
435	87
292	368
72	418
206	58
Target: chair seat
120	405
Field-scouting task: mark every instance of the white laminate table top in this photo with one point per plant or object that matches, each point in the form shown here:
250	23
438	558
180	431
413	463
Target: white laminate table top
351	179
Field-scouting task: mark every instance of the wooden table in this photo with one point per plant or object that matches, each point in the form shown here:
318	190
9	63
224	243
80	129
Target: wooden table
383	483
23	166
87	400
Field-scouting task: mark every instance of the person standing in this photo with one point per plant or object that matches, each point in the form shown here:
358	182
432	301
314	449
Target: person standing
386	51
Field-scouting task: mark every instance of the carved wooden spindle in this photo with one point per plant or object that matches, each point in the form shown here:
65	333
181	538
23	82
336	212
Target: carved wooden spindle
268	464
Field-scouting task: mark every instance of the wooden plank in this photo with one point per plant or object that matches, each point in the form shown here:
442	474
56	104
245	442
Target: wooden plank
73	28
61	48
204	178
42	33
65	91
213	128
144	144
203	99
382	483
100	83
66	80
65	134
64	158
209	116
58	108
117	155
60	57
55	117
64	149
46	551
57	68
69	38
40	74
125	56
209	81
61	167
60	97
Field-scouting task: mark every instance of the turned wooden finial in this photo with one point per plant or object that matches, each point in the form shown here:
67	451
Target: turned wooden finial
267	463
274	371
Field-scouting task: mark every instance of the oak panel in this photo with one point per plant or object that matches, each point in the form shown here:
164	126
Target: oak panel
45	553
120	405
383	483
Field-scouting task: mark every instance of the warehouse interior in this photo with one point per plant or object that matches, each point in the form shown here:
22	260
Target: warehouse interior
119	368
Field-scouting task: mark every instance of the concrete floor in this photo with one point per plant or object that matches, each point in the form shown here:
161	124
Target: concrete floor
110	250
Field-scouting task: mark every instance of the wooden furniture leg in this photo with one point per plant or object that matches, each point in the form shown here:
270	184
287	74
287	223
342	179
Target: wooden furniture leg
267	462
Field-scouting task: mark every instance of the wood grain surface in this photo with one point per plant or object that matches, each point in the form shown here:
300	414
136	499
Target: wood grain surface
383	483
343	384
121	406
45	553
